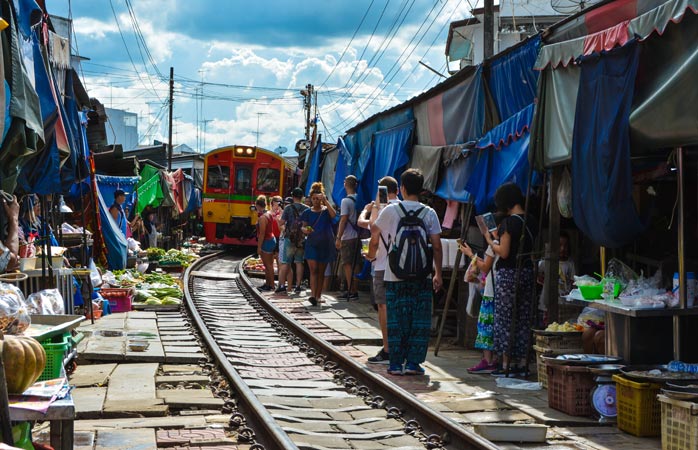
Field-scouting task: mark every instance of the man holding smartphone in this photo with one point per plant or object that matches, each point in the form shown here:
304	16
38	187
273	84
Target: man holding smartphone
387	185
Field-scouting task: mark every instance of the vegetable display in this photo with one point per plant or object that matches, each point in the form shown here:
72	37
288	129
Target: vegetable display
175	257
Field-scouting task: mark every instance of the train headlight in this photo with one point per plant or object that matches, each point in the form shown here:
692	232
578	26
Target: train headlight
249	151
253	208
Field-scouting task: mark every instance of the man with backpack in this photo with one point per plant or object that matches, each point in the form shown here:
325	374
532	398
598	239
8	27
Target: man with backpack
415	250
347	241
294	241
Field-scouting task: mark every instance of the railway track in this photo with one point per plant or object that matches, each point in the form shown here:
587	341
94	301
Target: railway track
291	388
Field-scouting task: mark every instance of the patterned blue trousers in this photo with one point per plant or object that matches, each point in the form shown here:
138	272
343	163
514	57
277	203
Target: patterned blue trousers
409	320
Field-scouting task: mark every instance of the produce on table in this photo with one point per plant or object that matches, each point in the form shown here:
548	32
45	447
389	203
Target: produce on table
153	301
155	253
566	327
171	301
176	257
24	359
254	264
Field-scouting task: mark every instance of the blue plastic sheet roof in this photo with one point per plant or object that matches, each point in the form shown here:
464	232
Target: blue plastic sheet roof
512	80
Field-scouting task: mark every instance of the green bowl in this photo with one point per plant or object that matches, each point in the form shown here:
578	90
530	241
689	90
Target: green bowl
592	292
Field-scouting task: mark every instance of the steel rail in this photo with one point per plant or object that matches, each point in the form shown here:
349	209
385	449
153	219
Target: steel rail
433	422
267	431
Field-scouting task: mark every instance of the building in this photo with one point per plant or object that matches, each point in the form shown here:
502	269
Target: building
122	128
514	21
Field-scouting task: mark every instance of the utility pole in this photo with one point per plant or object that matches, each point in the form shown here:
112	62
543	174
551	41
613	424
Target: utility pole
169	143
308	94
205	122
488	24
257	133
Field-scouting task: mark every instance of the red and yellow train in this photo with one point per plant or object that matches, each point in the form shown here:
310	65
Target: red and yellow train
233	178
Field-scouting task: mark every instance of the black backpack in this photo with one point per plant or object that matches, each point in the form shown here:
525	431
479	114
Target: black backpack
411	257
295	231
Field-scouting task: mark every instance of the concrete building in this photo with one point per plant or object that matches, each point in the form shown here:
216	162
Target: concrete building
514	21
122	128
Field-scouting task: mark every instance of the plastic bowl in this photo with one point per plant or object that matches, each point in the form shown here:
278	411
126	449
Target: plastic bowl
592	292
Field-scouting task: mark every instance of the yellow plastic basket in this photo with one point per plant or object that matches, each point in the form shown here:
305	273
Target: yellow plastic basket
679	424
639	412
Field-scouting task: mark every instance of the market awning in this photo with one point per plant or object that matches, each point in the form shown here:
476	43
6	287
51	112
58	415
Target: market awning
149	188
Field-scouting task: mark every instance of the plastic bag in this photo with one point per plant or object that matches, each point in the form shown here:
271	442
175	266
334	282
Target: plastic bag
585	280
48	301
621	272
472	274
591	317
14	315
515	383
133	245
474	300
109	278
95	275
564	195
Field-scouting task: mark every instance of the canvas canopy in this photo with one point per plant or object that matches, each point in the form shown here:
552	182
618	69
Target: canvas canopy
149	188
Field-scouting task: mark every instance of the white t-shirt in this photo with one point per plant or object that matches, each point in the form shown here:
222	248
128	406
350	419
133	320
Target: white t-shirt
382	254
390	217
489	279
348	208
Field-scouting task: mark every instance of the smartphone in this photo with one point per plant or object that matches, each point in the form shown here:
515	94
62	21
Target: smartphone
383	195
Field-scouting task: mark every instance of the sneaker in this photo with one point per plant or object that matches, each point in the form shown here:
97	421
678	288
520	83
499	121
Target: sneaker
280	290
483	367
297	290
395	369
343	296
266	288
352	296
313	301
514	372
413	369
382	357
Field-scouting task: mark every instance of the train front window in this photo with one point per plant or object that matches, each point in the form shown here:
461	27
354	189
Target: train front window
268	180
243	181
218	177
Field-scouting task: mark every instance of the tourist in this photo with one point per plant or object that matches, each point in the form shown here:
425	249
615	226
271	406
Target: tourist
407	285
511	293
383	355
291	250
266	242
319	244
347	241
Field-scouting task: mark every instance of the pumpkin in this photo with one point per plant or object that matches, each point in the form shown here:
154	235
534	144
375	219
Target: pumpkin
24	360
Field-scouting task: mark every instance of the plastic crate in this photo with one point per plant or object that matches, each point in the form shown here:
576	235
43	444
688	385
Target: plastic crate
540	362
120	304
569	389
639	412
56	350
115	292
679	422
560	342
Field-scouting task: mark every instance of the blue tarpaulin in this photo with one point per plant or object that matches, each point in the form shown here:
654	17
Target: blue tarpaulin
503	157
343	169
76	167
602	201
389	156
314	168
114	238
512	80
454	178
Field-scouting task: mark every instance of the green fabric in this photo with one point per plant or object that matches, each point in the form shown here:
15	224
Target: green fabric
149	188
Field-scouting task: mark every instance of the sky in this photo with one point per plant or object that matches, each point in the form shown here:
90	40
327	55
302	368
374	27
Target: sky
239	66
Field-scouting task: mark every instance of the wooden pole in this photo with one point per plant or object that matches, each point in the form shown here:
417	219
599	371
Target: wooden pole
465	223
552	260
681	253
5	419
169	133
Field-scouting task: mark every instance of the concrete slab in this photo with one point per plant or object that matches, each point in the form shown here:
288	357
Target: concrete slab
135	439
89	402
174	379
91	375
132	389
141	422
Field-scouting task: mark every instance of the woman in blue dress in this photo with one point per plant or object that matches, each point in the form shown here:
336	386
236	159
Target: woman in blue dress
319	245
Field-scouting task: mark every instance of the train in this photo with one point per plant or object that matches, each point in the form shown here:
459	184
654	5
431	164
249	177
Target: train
233	178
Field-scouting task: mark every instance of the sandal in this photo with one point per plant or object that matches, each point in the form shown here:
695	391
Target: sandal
313	301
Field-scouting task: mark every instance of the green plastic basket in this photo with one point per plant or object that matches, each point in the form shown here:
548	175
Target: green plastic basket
55	353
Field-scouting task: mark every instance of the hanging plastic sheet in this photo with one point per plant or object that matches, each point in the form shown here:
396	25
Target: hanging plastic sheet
343	169
114	239
178	190
329	166
314	168
108	185
512	80
428	160
149	188
455	178
76	167
454	116
502	158
602	201
389	156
